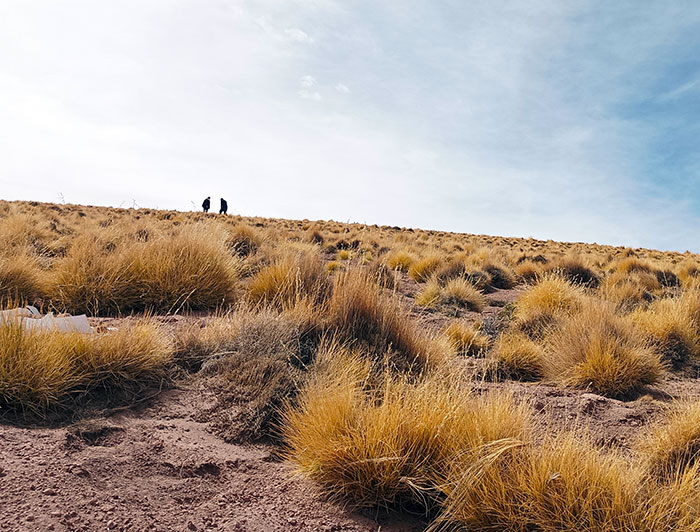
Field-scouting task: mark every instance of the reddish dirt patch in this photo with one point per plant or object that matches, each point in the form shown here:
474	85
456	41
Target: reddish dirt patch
159	470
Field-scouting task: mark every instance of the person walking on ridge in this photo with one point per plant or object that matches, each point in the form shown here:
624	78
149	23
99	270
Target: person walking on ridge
206	204
224	207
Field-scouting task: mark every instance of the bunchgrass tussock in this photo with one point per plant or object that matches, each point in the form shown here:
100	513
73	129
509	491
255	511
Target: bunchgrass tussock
542	305
518	357
359	311
672	446
466	339
422	269
288	279
668	323
21	279
39	370
456	292
400	260
383	447
603	351
563	484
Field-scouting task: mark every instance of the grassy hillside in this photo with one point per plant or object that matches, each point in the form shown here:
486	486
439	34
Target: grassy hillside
361	352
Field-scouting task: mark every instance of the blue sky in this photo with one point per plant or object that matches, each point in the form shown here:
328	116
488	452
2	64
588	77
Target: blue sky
553	119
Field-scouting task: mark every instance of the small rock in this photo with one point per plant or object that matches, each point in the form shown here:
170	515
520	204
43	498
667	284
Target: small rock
191	526
48	491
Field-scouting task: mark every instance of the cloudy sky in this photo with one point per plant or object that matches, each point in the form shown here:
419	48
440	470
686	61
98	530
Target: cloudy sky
553	119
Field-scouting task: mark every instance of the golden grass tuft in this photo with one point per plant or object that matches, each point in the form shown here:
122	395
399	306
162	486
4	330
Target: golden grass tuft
422	269
574	269
672	446
466	339
565	484
400	260
456	292
542	305
358	311
244	240
290	278
528	271
600	350
20	279
40	369
189	270
393	445
669	325
429	295
689	273
518	357
461	293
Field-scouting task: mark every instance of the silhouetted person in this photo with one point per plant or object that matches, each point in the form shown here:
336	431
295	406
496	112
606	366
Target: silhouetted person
206	204
224	207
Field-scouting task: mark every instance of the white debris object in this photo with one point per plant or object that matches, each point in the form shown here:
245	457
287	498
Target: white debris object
32	320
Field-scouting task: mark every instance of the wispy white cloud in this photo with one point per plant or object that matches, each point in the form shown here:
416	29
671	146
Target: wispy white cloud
342	88
307	81
307	91
689	86
297	35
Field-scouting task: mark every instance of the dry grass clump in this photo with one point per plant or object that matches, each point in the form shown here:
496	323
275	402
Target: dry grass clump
244	240
41	369
451	270
197	341
672	447
566	484
518	357
92	280
669	325
600	350
384	276
461	293
400	260
501	275
288	279
689	273
574	269
261	359
422	269
528	271
630	265
626	292
20	279
189	270
429	295
394	445
552	298
466	339
358	311
456	292
21	231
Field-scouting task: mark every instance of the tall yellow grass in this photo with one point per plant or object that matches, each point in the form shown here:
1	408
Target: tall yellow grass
40	369
600	350
392	445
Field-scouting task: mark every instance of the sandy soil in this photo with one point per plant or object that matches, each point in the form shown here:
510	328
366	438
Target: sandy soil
158	469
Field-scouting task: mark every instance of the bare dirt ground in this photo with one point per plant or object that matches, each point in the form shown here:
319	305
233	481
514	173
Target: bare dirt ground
159	469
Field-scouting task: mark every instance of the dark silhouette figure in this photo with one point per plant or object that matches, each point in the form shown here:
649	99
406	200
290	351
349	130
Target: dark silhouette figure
206	204
224	207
